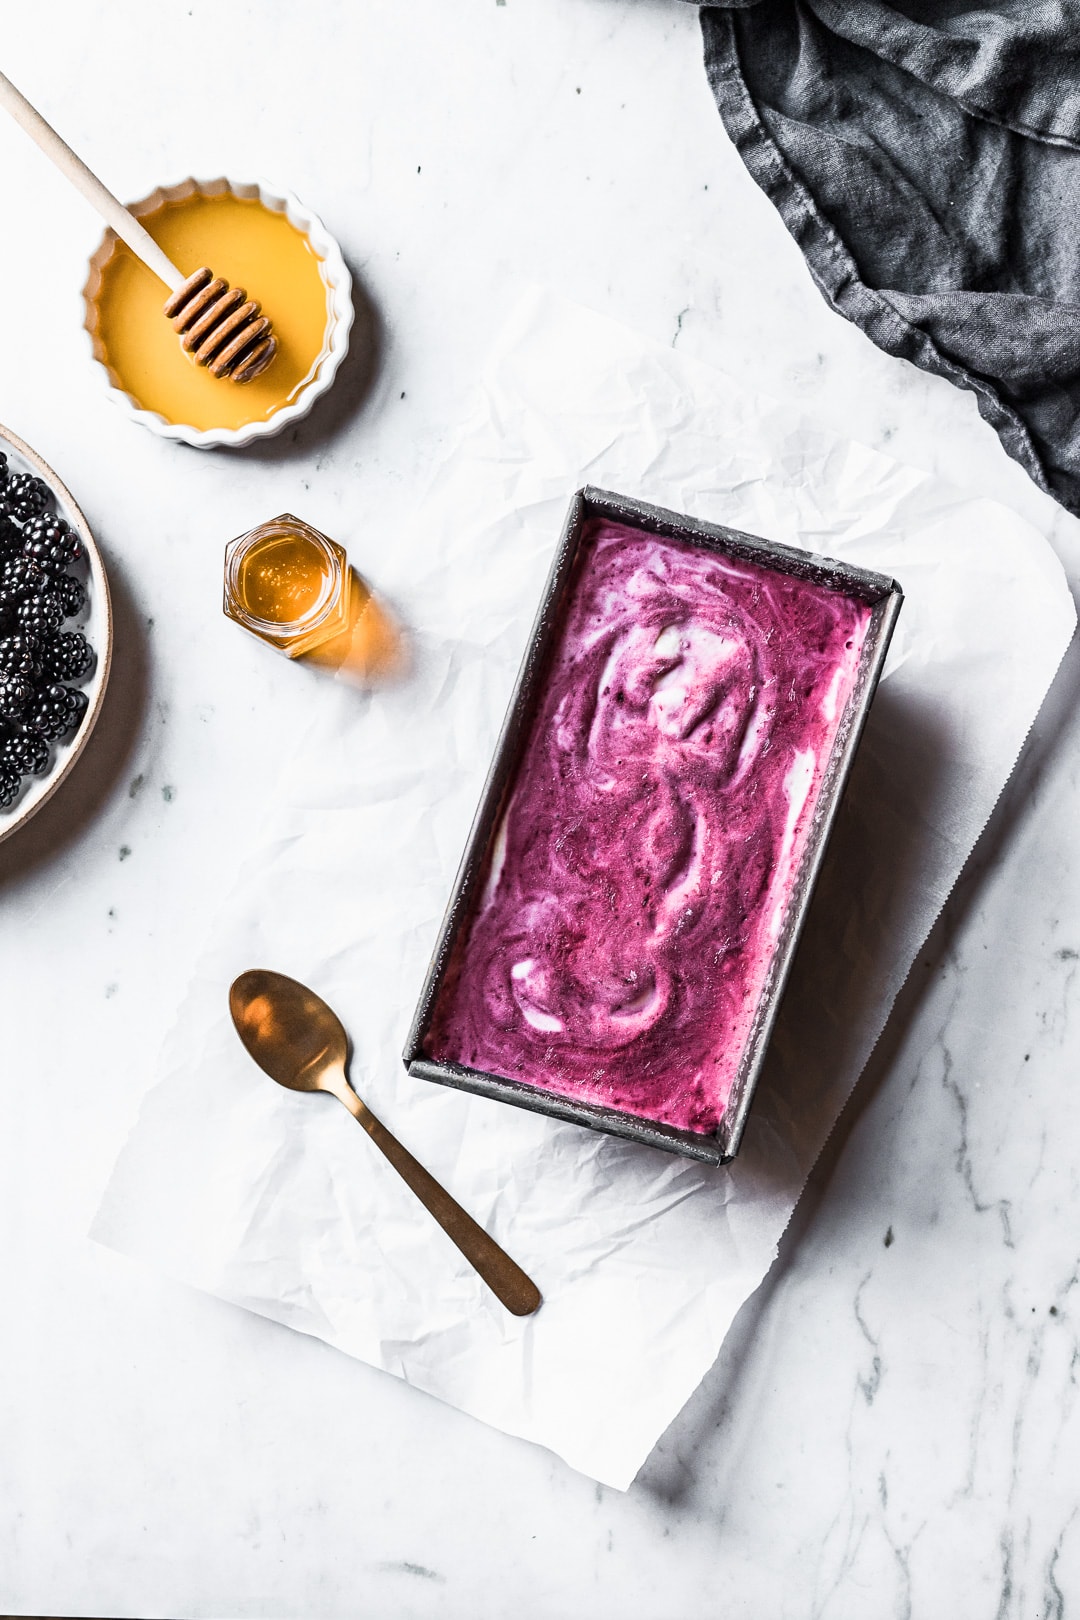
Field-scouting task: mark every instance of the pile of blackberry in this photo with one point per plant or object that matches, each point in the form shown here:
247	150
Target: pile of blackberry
38	657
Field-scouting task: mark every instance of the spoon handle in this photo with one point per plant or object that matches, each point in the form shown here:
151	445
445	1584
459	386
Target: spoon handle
517	1292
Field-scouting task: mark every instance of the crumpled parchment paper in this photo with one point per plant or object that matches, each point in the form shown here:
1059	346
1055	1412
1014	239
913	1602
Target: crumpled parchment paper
280	1204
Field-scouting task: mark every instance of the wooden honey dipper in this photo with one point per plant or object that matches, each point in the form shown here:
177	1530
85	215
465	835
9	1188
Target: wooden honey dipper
218	325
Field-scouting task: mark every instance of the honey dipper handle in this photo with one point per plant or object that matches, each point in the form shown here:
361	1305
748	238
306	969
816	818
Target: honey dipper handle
114	213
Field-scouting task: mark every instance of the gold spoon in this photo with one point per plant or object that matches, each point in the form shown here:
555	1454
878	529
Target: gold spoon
299	1041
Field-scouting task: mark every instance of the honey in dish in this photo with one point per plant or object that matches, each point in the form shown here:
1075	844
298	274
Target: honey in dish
251	247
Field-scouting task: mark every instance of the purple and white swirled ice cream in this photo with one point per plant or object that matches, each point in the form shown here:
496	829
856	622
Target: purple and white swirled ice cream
638	881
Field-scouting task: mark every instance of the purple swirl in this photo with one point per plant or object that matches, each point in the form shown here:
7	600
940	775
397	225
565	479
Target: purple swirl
636	885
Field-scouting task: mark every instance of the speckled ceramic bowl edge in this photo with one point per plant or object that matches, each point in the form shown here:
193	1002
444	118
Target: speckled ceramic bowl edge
99	628
339	313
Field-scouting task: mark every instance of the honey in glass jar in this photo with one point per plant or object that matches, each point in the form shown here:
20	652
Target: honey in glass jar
288	584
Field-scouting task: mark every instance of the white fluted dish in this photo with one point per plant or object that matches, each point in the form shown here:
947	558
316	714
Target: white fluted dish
95	622
339	317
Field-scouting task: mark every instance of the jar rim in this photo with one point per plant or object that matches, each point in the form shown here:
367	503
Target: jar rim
286	525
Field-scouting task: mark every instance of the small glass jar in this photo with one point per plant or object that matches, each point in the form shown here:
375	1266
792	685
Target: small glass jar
288	584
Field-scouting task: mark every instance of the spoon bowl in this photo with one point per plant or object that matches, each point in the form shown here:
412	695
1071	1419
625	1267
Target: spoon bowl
301	1043
291	1033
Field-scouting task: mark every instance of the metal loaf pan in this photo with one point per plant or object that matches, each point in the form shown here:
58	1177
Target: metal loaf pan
882	594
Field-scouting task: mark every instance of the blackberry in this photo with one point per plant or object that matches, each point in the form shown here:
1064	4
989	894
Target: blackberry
15	694
38	615
65	656
24	750
3	470
21	576
11	540
55	710
18	654
72	594
51	542
26	496
9	788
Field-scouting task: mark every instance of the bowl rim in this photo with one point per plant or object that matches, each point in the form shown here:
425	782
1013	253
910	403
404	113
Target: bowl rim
46	786
339	314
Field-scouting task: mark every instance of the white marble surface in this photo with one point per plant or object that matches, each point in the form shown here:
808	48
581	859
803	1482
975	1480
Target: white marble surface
892	1427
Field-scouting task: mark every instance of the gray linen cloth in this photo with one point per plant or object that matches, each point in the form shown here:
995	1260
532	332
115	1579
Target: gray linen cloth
926	158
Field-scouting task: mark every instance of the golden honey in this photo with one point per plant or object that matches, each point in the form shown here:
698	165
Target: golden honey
288	584
282	578
250	246
291	586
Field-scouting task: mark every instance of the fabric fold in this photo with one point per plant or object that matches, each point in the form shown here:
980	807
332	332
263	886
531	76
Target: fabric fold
926	161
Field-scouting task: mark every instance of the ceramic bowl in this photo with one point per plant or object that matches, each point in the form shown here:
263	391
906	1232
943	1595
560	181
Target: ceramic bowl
95	622
338	323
